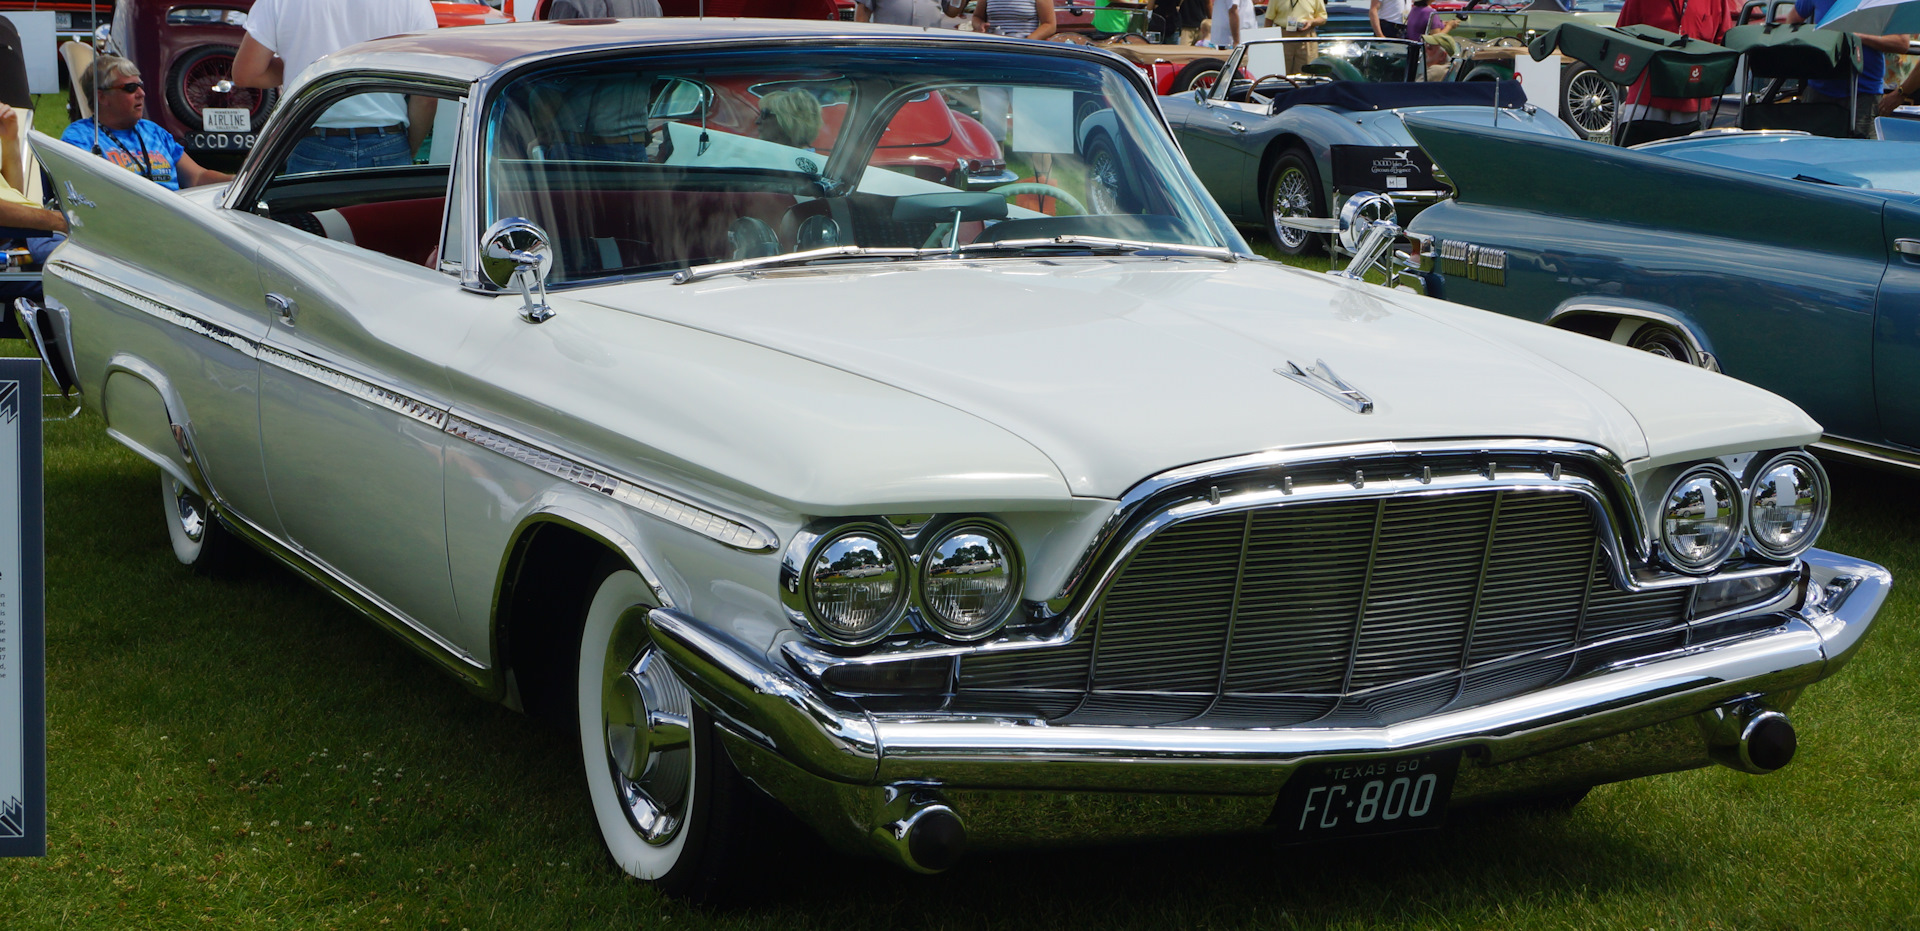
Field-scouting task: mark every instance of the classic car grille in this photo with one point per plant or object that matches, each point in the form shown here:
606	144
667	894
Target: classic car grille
1341	613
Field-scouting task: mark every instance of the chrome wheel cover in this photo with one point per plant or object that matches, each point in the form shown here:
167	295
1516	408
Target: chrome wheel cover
646	718
190	512
1590	103
1103	182
1292	197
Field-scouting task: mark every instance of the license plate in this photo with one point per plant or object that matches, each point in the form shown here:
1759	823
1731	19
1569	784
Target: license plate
227	120
1375	796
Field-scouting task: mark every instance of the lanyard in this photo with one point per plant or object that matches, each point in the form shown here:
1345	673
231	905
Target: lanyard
146	160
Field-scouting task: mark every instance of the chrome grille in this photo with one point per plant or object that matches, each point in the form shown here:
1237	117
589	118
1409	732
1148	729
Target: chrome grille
1344	613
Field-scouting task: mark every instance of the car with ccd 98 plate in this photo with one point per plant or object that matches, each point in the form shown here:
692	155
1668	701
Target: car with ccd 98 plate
772	468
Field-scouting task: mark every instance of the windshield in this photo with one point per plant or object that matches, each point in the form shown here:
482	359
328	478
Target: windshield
1308	61
650	165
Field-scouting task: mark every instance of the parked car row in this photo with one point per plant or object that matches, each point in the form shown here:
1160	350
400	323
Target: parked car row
922	495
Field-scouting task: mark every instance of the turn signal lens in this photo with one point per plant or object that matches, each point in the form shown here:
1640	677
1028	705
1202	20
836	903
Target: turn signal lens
855	587
969	581
1700	521
1788	505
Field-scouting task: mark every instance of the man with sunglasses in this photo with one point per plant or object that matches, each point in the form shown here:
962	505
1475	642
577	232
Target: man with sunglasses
118	133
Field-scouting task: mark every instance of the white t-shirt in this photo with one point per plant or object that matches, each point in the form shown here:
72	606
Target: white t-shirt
1395	11
1223	29
300	31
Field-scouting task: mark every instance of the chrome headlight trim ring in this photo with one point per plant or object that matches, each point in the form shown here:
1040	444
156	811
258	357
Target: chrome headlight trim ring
798	580
1001	543
1735	507
1822	504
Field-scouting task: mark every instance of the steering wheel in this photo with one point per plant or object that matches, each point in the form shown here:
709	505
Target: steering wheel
1291	83
1044	189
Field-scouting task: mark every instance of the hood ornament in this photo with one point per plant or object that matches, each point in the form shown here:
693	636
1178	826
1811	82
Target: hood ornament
1319	376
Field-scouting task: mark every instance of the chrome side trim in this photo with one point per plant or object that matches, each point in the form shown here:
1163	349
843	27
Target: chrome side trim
163	312
738	532
367	391
1885	456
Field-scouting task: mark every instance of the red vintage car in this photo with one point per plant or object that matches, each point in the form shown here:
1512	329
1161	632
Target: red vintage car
185	49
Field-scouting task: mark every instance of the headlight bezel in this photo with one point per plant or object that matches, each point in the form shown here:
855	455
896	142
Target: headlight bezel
923	596
1736	535
1823	504
910	541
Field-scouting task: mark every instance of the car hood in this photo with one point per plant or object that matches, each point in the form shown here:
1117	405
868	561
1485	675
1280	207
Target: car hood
1117	370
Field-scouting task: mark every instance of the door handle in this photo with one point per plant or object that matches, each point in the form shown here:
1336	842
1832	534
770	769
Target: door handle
1909	247
283	307
1238	126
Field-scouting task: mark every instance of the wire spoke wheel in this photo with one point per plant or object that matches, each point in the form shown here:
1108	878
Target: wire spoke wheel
1103	178
1293	190
1591	103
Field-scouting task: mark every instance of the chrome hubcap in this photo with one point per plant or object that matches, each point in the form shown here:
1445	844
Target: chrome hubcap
190	511
646	715
1291	198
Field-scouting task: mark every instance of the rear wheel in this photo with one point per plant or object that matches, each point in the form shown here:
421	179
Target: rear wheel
666	799
1664	341
1588	101
199	540
1200	71
1293	190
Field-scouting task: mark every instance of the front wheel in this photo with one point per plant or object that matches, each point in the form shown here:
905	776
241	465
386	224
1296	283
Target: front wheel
1664	341
1293	190
663	795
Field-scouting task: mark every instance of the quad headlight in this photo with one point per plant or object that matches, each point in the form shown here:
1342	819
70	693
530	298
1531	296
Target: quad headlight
855	586
1700	519
969	581
1787	505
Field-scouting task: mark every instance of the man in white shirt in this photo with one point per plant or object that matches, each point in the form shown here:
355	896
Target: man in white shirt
1389	18
284	37
1231	20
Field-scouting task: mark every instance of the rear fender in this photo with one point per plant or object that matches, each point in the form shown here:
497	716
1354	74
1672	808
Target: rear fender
146	415
1616	320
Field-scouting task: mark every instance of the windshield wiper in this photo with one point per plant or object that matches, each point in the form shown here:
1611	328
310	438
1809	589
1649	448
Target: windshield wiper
702	272
1097	244
1068	241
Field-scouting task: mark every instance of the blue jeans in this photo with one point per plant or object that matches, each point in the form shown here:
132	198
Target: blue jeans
342	153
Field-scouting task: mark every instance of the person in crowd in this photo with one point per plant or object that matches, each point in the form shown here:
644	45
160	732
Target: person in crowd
1022	19
1419	20
1191	19
899	12
1389	18
1231	20
1645	116
1866	93
1439	47
1900	95
118	132
22	219
1298	19
789	117
363	131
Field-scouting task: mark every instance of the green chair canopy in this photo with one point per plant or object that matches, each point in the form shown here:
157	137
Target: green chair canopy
1675	65
1779	50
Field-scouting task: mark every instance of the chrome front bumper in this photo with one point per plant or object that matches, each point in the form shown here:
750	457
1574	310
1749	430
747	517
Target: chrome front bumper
848	771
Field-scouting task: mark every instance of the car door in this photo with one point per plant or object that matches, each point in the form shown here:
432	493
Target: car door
1896	329
353	397
1215	141
163	301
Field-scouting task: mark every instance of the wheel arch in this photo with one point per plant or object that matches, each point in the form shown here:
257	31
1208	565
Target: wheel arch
1275	147
1616	319
552	552
145	414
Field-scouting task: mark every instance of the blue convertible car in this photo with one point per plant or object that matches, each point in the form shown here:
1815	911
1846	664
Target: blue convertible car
1295	126
1786	260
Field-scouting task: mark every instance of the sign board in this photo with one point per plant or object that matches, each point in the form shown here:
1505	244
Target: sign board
23	720
1540	79
38	47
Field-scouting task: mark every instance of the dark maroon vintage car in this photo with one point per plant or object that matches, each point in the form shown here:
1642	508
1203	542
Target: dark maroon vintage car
185	49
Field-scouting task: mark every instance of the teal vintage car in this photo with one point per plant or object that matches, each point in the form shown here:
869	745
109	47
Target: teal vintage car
1787	260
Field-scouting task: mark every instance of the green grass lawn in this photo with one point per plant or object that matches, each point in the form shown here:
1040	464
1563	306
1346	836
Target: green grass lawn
248	754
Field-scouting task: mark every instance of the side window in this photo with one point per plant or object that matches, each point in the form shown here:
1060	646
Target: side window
371	169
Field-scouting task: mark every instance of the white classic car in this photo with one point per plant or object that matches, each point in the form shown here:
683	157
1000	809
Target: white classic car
925	486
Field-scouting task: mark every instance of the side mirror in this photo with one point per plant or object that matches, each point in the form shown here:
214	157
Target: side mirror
514	252
1200	94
